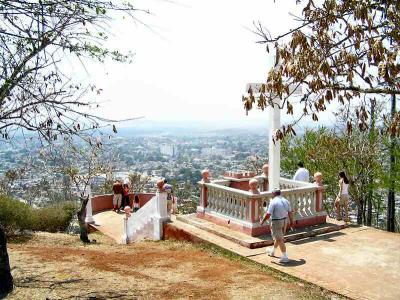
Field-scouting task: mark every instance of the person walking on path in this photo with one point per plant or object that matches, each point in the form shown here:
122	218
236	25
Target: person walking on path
117	198
278	210
302	173
342	200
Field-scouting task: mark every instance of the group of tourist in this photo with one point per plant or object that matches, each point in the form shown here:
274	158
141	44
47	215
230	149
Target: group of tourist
121	197
281	214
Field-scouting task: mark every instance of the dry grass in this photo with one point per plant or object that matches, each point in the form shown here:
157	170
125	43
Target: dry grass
58	266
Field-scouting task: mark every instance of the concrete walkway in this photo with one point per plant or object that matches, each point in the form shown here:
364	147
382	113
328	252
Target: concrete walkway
357	262
110	223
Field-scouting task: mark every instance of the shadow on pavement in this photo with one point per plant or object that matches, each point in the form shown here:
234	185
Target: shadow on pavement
325	237
291	263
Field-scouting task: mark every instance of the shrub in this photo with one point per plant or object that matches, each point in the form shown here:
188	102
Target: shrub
54	218
15	215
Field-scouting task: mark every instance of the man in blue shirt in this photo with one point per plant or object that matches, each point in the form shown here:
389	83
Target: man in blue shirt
278	210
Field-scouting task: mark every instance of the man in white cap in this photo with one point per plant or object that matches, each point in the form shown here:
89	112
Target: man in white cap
278	210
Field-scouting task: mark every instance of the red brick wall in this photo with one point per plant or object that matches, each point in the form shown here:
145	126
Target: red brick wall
104	202
240	185
143	198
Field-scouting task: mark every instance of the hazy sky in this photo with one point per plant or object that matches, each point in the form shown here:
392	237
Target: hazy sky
194	61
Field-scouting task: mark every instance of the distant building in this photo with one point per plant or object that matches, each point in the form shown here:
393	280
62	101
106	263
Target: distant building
169	150
216	151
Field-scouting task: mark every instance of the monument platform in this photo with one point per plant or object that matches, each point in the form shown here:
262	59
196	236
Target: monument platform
260	241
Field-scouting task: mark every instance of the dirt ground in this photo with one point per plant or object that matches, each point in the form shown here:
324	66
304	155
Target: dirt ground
58	266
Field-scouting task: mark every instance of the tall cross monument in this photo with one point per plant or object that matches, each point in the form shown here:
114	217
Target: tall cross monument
274	148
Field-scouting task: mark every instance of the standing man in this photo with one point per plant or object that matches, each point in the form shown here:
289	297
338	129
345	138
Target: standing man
117	198
302	173
278	210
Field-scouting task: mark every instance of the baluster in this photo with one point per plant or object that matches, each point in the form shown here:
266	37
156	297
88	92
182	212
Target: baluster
231	205
313	196
234	206
220	202
225	204
309	213
306	204
239	211
242	207
226	198
296	204
215	200
302	205
210	199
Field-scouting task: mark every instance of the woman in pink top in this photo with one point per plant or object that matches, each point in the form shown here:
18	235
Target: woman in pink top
342	199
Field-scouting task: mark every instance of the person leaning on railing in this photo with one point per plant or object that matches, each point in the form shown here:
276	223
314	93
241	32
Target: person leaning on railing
278	210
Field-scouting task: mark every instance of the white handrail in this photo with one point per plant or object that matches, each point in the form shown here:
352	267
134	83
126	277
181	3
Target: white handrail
139	219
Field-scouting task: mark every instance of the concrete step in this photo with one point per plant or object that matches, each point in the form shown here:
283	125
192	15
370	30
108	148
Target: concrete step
264	240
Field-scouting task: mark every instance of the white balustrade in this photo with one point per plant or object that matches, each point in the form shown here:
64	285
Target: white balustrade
227	201
235	204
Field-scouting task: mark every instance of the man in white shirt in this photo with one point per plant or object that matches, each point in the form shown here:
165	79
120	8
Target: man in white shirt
302	173
278	210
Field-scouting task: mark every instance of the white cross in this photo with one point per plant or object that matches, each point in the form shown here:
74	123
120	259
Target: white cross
274	149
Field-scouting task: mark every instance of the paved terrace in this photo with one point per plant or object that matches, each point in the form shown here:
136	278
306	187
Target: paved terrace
357	262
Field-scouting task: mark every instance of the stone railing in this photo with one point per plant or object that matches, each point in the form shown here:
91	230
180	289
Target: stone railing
243	209
285	184
302	200
229	202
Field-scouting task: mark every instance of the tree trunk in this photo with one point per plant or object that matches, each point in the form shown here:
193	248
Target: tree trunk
81	220
364	211
6	279
360	212
391	199
371	177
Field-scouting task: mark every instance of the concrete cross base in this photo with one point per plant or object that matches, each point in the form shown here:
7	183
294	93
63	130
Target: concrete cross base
255	229
310	221
251	229
244	239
